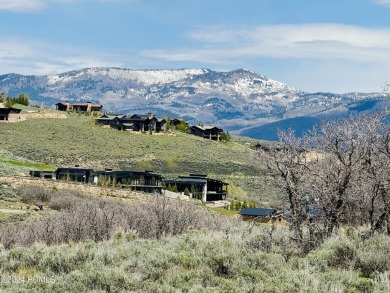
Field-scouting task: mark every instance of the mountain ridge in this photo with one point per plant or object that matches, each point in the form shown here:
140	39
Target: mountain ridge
237	100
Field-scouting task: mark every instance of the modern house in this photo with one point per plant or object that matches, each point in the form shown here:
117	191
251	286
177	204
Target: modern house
43	174
200	187
9	114
175	122
77	174
80	107
137	122
210	132
146	181
107	119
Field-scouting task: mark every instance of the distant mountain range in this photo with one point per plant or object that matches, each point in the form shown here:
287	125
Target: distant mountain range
240	101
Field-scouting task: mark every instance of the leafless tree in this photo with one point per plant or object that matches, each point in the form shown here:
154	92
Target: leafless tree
288	165
341	167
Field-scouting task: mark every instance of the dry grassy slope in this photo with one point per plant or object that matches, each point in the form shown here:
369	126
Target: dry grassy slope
77	140
123	194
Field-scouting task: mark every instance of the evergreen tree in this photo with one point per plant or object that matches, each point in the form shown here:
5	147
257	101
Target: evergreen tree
9	102
182	126
174	188
225	136
3	96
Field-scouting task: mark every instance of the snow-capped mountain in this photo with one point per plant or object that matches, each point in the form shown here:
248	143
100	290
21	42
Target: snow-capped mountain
239	101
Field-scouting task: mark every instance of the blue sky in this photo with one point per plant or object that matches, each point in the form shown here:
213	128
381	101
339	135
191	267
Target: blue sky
313	45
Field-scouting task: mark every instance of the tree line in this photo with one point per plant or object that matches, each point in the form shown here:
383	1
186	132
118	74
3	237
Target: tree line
337	174
8	101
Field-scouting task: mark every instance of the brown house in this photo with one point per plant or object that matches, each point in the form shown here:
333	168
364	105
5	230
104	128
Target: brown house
210	132
9	114
80	107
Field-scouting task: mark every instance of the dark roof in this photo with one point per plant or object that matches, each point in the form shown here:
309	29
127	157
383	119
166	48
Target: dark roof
206	127
73	170
257	212
110	116
80	104
86	104
185	182
217	181
125	173
138	117
195	179
9	110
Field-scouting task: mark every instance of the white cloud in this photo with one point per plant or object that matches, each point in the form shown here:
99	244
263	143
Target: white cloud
305	41
28	5
34	5
383	2
22	5
33	57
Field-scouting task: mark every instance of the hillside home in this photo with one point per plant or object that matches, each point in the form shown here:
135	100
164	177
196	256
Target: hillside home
177	121
210	132
201	187
77	174
136	122
107	119
146	181
261	215
9	114
43	174
80	107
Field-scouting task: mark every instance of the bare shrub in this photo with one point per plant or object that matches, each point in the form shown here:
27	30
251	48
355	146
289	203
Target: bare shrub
66	199
169	217
7	193
80	218
30	193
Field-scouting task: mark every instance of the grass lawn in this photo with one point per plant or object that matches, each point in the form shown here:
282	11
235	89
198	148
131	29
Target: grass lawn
224	211
38	166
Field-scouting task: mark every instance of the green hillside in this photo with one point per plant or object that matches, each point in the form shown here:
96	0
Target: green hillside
78	140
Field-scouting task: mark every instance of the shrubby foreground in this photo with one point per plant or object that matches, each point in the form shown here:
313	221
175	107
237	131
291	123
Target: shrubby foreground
241	259
89	244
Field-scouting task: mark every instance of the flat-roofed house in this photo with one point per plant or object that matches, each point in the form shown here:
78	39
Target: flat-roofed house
77	174
201	187
146	181
79	107
9	114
